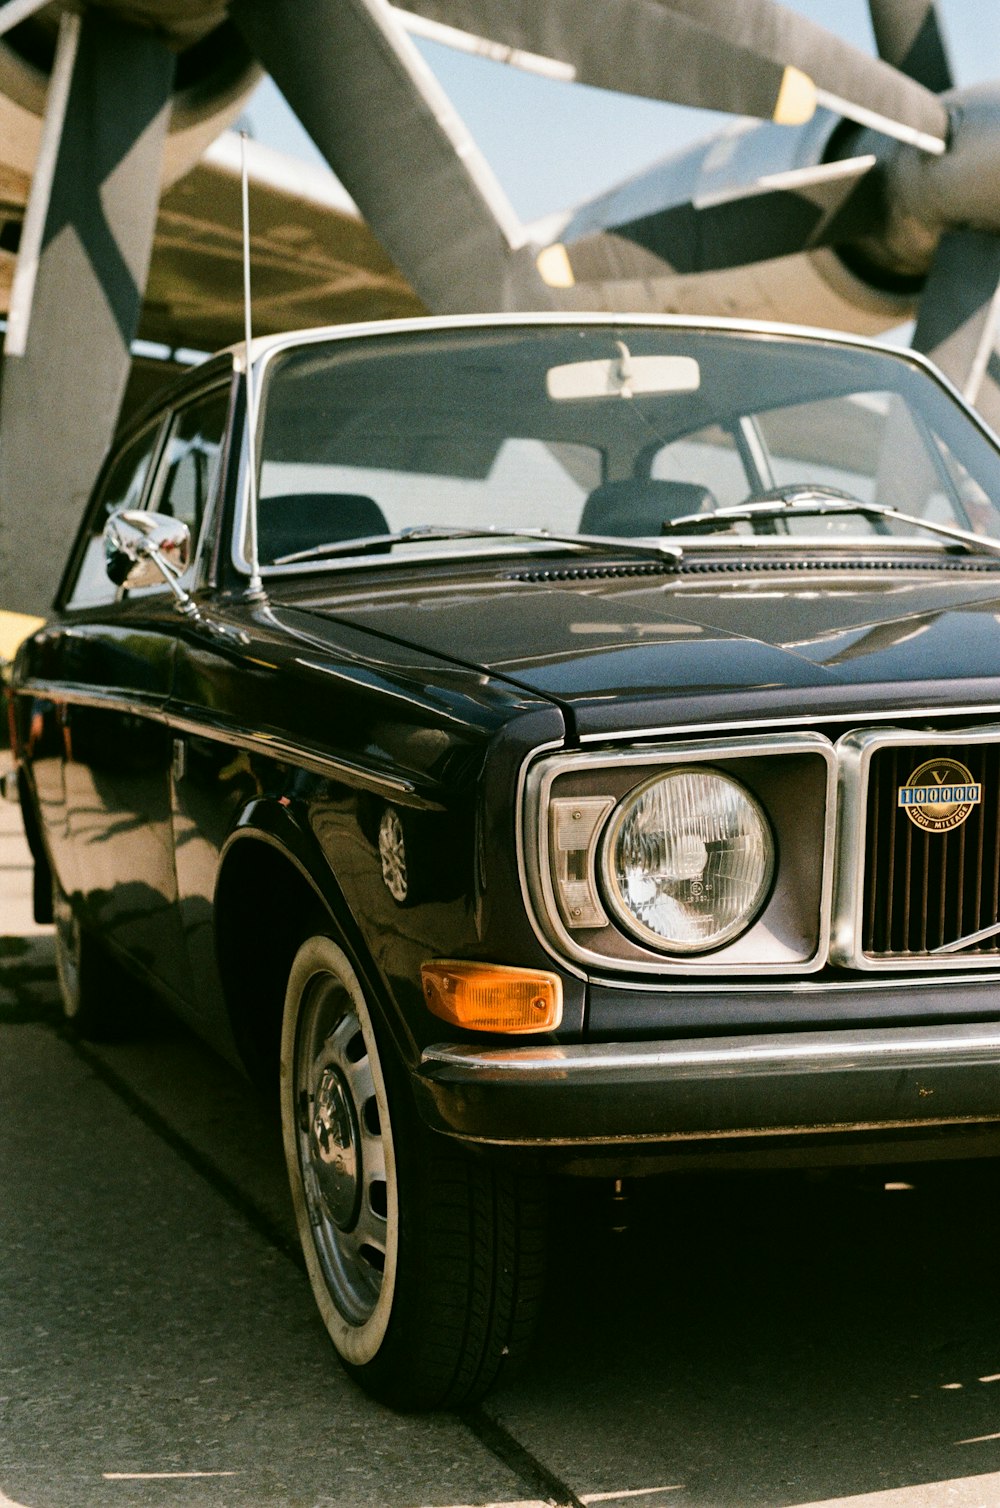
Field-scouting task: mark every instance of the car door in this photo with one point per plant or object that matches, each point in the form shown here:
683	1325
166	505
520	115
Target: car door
96	677
110	659
186	486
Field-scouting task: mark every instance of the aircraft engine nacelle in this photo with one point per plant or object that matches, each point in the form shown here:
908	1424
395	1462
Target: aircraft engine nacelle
814	288
695	273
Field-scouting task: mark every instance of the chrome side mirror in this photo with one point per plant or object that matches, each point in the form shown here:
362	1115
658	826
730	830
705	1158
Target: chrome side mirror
145	549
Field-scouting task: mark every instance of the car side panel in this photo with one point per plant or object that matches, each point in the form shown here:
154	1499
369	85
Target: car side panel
336	736
98	682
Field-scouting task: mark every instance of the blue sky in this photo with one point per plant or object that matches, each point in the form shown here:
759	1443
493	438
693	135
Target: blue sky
553	145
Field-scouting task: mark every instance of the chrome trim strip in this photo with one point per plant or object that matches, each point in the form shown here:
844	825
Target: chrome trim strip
808	988
967	941
719	1057
533	860
265	346
304	757
807	720
307	758
140	703
736	1134
854	753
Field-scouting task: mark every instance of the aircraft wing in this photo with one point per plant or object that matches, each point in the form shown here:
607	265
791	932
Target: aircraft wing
314	260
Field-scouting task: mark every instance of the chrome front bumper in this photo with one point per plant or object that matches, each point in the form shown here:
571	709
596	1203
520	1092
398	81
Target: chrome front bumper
636	1093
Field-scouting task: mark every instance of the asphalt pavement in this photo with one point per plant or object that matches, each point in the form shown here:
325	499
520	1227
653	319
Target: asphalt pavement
725	1343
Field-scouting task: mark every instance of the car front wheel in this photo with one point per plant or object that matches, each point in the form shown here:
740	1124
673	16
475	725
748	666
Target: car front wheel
426	1262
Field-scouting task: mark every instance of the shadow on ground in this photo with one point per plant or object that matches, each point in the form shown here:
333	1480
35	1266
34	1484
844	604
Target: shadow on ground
774	1340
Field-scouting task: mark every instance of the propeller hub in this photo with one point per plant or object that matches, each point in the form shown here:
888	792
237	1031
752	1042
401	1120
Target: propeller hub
921	196
961	188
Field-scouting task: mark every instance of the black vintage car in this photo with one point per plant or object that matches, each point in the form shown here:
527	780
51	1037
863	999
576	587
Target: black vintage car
545	746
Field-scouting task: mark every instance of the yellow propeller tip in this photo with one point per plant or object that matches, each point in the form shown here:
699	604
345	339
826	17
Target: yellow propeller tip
554	265
796	102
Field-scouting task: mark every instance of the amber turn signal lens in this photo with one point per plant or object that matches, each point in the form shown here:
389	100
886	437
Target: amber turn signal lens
491	997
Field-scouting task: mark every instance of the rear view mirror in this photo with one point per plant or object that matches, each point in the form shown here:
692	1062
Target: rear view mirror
624	376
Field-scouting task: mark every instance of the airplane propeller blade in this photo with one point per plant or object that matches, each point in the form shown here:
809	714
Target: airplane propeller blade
847	80
959	317
364	94
641	48
755	58
78	288
777	216
909	37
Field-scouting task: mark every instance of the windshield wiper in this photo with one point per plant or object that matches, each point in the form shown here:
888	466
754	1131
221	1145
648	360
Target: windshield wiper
802	507
646	549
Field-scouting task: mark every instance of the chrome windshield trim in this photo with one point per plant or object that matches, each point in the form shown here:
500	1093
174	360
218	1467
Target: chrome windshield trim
264	347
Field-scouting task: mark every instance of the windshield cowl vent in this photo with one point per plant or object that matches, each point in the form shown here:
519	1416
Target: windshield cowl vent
832	563
632	569
596	572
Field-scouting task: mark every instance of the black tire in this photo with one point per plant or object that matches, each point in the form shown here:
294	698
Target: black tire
426	1263
92	985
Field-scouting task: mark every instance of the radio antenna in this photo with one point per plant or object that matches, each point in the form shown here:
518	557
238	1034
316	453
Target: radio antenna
256	587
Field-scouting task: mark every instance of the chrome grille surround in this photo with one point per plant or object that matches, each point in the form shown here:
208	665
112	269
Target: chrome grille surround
901	894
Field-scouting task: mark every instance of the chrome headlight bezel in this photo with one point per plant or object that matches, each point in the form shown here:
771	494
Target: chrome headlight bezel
611	890
568	799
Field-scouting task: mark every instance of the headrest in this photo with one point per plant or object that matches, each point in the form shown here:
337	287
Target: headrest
641	505
299	520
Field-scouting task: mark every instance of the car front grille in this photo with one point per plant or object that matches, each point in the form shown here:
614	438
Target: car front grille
923	890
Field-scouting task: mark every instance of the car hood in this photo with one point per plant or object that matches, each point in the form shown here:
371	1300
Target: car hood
620	652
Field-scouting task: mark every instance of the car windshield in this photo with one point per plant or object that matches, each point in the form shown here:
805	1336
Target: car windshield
612	431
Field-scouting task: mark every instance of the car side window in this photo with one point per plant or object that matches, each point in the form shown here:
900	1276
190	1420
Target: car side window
190	463
122	488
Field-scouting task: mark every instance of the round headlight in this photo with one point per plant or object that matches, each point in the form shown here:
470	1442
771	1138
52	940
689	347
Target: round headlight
687	860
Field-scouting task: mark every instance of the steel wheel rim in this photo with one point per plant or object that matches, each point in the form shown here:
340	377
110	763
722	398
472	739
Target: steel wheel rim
341	1149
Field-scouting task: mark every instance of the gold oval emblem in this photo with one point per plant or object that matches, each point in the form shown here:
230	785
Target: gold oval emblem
939	795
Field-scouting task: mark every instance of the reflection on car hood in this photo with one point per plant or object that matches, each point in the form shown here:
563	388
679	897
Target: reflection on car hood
601	646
